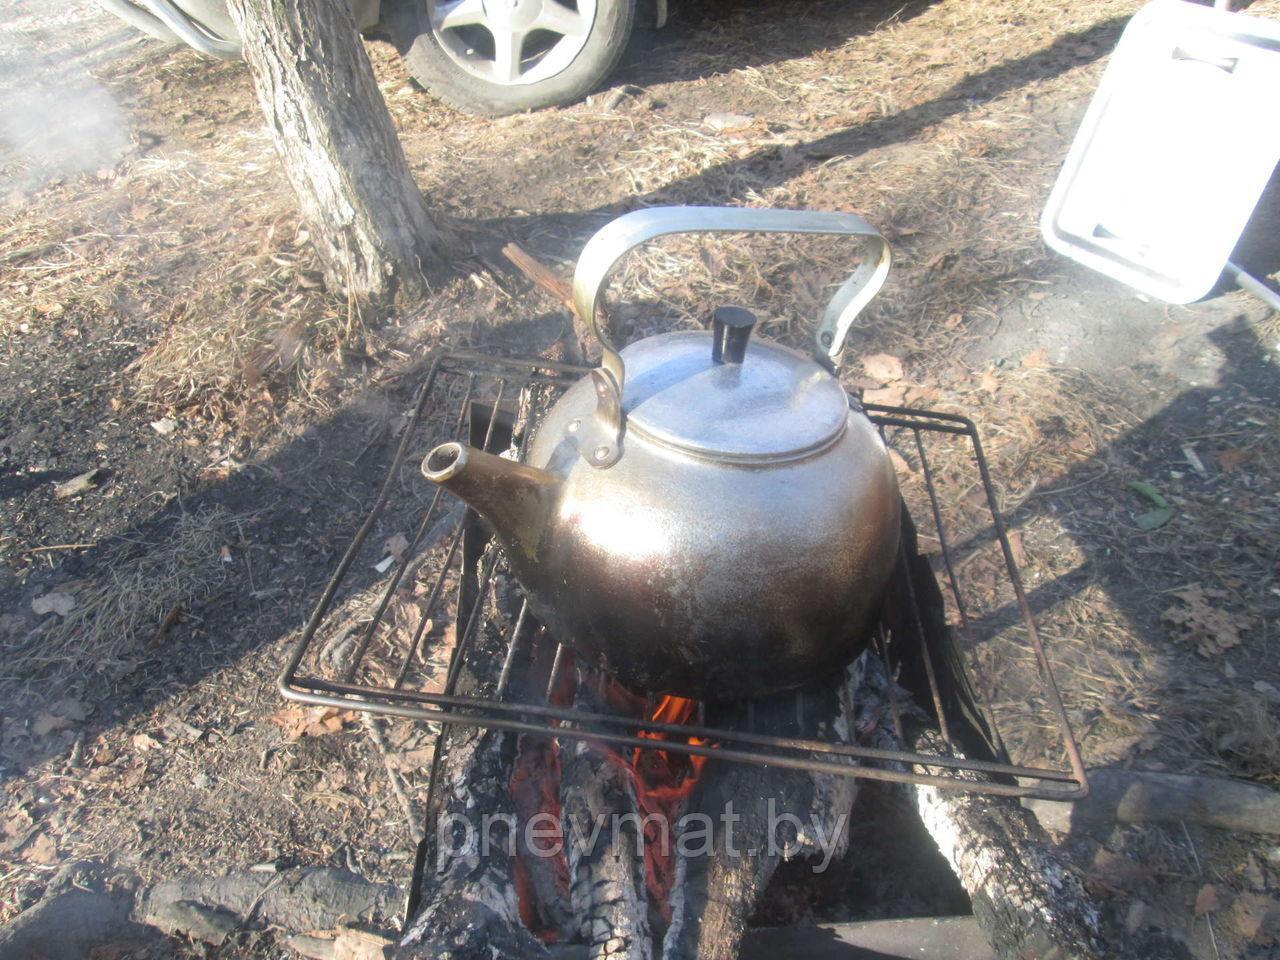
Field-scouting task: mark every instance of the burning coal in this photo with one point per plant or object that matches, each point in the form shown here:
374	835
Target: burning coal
658	832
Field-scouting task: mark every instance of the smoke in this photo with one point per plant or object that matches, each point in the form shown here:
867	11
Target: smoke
55	118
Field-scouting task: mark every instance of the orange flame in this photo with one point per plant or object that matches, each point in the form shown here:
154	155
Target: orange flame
661	781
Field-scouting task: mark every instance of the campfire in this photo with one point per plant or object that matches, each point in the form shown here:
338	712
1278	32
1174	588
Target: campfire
565	808
660	782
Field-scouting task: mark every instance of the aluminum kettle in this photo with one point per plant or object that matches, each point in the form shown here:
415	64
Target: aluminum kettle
705	514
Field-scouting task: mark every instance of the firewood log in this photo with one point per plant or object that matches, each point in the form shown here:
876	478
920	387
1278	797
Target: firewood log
1027	899
468	902
606	863
722	875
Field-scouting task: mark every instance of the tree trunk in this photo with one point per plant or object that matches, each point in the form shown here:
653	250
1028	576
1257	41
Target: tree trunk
370	224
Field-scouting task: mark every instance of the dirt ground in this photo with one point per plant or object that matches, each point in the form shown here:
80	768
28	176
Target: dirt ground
163	323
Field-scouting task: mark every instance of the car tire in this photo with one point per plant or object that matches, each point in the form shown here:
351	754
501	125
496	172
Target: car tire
432	65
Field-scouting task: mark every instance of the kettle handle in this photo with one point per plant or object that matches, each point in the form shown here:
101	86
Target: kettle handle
618	237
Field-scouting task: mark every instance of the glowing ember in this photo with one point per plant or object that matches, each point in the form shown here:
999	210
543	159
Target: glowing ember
535	787
661	781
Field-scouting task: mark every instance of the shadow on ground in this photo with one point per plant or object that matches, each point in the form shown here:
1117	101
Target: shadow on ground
307	499
1220	536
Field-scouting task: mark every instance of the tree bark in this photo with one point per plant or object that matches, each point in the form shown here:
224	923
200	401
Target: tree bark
369	222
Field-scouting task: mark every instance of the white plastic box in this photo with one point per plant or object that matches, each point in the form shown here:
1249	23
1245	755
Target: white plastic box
1174	151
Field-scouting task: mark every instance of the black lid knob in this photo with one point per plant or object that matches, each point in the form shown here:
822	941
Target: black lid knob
730	331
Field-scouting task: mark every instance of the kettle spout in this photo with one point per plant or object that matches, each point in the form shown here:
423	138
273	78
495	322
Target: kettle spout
514	498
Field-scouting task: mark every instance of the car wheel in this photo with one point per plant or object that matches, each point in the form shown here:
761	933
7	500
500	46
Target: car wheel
496	57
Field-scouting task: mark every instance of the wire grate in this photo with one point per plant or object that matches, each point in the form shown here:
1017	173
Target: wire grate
384	665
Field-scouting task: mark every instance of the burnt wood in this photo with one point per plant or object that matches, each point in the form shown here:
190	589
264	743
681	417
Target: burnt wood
603	834
464	902
1027	899
717	891
467	906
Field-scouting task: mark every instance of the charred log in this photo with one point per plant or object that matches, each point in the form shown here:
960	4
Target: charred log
1027	901
604	834
744	821
542	870
467	901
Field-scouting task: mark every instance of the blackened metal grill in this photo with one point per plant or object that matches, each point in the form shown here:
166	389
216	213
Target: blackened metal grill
455	386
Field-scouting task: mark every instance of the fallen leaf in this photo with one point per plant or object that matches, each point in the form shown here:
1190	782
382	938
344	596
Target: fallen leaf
1231	458
412	761
883	367
727	122
1206	900
920	396
17	829
989	381
1016	548
1209	627
1038	357
353	944
295	722
41	850
79	484
900	465
144	742
291	721
887	396
104	754
323	726
55	602
1161	514
1255	918
16	822
397	544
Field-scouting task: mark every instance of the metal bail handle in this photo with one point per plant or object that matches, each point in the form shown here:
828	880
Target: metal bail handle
616	239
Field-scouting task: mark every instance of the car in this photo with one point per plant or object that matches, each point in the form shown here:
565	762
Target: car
491	57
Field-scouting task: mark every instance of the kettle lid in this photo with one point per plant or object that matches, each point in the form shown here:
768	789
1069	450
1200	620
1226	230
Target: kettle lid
716	395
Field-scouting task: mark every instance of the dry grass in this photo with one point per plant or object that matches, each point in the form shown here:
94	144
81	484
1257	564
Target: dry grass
1062	449
190	241
261	327
122	608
